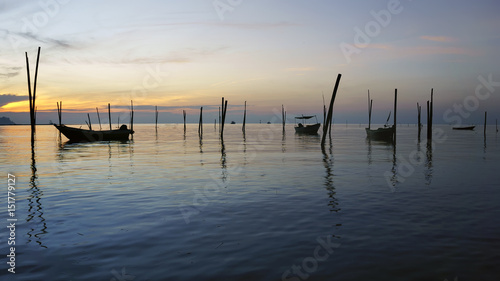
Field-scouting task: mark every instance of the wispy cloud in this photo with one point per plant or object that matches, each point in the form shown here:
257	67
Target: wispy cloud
9	72
300	69
443	39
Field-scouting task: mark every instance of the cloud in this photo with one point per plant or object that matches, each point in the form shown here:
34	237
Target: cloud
300	69
6	99
9	72
443	39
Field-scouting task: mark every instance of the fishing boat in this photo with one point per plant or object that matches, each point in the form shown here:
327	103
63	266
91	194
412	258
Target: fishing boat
311	129
83	135
465	128
386	133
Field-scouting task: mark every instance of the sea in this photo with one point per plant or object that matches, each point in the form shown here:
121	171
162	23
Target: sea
266	204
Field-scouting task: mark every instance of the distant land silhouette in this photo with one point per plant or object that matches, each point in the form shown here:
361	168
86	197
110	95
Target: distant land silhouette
6	121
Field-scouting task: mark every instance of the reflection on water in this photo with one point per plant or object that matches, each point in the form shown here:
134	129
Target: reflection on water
428	163
108	201
38	226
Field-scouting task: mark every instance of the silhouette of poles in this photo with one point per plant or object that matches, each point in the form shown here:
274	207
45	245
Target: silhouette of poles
283	117
429	116
98	118
156	117
200	124
330	111
419	122
32	96
395	112
89	123
244	118
109	115
184	115
59	112
224	110
131	116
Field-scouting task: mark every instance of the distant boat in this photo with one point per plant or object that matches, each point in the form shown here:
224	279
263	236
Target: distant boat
83	135
469	128
383	134
307	129
232	122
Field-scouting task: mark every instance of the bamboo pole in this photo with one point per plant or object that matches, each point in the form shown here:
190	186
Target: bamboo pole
131	116
395	113
156	117
244	118
283	117
59	112
428	119
419	122
200	124
431	114
224	110
109	115
184	115
34	86
496	124
330	110
89	124
98	118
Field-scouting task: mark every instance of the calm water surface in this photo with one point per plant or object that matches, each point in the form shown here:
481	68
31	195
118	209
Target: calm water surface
264	206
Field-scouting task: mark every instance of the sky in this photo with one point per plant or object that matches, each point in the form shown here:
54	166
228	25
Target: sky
183	55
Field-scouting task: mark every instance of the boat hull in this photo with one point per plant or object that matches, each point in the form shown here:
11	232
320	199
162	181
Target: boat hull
308	129
384	134
467	128
82	135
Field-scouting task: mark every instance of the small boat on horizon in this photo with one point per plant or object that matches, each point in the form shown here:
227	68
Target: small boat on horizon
307	129
464	128
84	135
385	133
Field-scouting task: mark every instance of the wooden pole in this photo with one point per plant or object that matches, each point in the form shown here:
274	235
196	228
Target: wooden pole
98	118
330	110
283	117
184	115
431	114
244	117
224	110
109	115
89	124
496	124
59	112
395	112
485	115
34	86
156	117
370	105
200	124
419	122
131	116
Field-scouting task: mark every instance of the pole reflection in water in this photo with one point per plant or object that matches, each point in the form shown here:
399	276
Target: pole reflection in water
223	163
35	218
428	164
369	154
333	204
